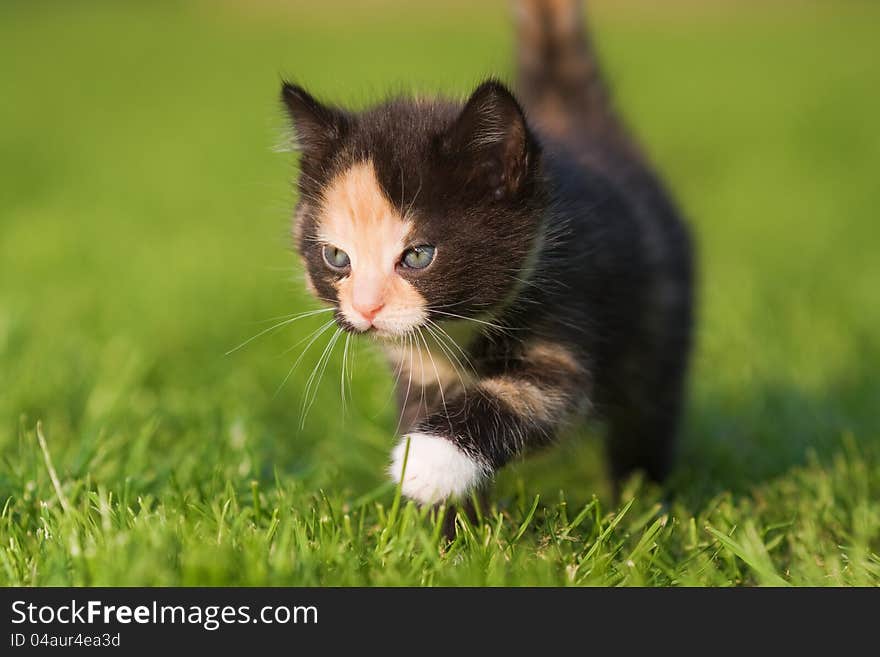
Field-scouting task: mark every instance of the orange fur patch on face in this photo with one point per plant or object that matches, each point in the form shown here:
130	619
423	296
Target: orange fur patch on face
358	218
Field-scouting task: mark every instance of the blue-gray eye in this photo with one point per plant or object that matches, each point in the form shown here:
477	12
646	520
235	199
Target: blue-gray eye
418	257
336	258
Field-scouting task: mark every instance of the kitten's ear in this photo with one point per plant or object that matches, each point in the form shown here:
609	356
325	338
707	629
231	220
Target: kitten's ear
318	127
493	140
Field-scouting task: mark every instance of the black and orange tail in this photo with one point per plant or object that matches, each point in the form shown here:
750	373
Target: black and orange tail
559	79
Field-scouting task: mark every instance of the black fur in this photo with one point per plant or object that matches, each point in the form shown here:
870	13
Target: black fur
554	228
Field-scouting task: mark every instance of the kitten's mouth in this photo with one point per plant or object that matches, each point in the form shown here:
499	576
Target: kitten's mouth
379	329
371	331
379	333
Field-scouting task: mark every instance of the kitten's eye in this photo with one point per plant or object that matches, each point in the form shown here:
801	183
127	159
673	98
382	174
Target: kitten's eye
418	257
336	258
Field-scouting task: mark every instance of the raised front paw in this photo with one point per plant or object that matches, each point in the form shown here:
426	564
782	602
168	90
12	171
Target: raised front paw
436	469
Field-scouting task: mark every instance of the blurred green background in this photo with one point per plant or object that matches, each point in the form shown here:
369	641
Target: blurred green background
144	218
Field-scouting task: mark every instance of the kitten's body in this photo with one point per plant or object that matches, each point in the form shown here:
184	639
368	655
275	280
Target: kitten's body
562	268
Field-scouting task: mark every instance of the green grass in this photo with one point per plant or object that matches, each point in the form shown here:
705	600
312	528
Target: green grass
143	234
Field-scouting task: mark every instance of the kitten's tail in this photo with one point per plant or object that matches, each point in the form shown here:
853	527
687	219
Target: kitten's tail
559	80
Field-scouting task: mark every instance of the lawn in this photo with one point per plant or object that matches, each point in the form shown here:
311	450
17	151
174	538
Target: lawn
144	210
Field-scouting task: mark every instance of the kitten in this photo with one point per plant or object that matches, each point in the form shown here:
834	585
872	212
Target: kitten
517	257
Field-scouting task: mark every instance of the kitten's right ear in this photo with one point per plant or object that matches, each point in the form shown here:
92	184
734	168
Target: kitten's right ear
318	128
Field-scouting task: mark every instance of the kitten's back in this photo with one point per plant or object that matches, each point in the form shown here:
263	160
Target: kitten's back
637	282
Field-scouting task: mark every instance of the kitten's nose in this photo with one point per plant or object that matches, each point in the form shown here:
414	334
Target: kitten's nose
369	310
368	293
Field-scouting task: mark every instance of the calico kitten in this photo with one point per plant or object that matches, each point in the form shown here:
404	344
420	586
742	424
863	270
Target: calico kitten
517	256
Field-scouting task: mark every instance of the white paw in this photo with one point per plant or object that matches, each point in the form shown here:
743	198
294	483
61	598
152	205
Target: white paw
435	469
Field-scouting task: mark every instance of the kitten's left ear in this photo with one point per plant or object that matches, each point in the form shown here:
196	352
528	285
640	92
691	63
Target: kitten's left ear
493	140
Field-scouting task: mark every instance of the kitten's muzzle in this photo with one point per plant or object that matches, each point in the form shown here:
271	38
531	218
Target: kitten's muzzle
368	311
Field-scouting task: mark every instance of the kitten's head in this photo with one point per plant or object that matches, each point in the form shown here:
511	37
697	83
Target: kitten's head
415	210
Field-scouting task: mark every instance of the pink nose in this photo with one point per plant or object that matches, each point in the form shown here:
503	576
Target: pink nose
369	310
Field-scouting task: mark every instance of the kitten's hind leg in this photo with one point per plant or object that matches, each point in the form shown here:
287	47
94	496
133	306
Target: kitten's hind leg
641	441
643	403
643	424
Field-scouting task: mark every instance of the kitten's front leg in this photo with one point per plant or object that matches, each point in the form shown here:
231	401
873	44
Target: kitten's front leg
459	447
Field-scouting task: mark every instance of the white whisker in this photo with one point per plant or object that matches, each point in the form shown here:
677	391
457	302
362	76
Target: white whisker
309	313
317	374
422	401
408	385
497	327
437	376
317	333
342	375
450	356
443	332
